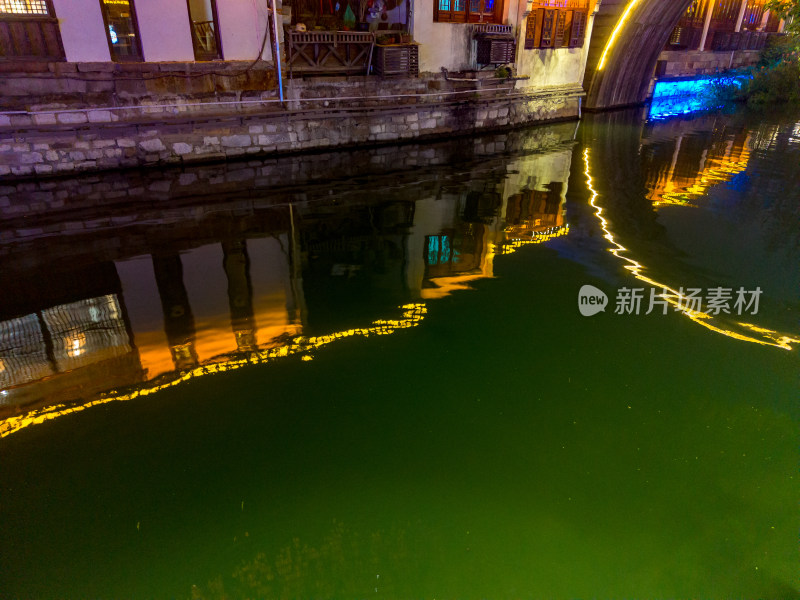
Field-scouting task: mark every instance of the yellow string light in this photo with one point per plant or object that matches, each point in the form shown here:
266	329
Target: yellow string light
613	37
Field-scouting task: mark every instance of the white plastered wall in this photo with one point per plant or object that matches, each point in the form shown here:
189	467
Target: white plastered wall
242	24
561	66
83	32
550	67
448	45
441	44
164	30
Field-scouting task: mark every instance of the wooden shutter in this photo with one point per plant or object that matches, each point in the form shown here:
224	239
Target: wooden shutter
578	29
531	30
32	35
561	23
548	25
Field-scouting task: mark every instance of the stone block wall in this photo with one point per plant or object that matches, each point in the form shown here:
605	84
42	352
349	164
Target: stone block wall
677	63
189	198
98	139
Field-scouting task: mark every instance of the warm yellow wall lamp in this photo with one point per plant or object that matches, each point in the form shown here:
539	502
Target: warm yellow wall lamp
615	33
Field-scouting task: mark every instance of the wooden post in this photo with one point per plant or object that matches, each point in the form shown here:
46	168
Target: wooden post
706	24
740	18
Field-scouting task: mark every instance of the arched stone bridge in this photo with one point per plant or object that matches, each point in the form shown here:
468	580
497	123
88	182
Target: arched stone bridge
623	76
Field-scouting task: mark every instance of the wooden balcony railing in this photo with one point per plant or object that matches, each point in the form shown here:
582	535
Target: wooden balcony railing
333	52
688	38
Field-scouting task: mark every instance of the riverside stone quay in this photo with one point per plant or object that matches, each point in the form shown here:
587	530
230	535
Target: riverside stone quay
104	84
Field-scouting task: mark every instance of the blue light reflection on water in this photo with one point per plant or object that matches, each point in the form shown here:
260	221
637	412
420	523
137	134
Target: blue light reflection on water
684	96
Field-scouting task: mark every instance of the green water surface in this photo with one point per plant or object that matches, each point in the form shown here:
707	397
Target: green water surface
503	447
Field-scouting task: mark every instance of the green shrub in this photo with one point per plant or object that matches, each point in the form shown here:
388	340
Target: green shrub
779	84
774	80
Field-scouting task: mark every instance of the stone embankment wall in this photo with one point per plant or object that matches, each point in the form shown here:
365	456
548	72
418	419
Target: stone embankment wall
113	214
317	115
686	63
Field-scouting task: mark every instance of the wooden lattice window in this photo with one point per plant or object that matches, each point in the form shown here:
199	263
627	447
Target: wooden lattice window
554	28
695	15
530	30
24	7
773	22
468	11
560	27
548	25
578	28
29	31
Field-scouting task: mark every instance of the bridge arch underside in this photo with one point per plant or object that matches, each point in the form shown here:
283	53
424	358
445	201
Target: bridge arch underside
631	60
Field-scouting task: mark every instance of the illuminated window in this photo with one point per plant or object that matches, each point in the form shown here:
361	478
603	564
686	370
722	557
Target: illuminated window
121	29
29	31
442	250
468	11
24	7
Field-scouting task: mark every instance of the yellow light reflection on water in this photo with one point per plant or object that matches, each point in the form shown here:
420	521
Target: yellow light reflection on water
536	237
412	315
769	337
295	344
718	169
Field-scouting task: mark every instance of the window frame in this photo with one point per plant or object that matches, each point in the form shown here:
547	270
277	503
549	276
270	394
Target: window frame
135	22
41	31
468	15
217	36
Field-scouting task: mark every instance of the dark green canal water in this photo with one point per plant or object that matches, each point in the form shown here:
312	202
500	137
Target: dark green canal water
367	374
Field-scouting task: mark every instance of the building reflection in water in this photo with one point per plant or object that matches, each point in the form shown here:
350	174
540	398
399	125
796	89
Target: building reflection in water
682	168
230	279
249	286
678	168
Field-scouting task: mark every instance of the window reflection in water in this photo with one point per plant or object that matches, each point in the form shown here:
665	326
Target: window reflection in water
682	169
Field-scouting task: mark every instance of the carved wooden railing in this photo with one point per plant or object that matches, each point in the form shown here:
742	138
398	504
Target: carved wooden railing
329	51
